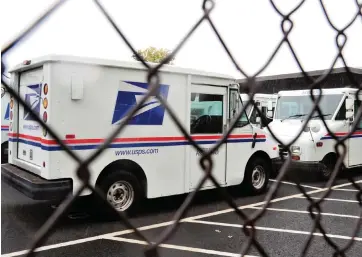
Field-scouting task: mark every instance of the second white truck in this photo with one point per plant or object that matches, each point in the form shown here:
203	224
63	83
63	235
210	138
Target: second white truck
314	149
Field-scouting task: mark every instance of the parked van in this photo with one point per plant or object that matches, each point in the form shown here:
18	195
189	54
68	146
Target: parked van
314	149
85	99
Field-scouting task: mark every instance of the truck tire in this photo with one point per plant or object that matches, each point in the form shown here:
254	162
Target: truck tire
122	190
328	164
4	152
256	176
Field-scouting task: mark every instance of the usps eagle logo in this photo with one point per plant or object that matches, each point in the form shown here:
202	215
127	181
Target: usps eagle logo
33	99
7	112
130	94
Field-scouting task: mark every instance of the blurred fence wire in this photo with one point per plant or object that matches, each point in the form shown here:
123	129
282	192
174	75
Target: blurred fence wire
250	87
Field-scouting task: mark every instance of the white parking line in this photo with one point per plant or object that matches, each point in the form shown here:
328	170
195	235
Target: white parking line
274	229
294	184
164	224
346	189
307	212
331	199
179	247
264	202
314	187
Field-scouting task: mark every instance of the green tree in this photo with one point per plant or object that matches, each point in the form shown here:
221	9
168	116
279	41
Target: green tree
152	54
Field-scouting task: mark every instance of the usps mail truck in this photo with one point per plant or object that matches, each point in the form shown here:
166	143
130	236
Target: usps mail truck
85	99
314	149
5	115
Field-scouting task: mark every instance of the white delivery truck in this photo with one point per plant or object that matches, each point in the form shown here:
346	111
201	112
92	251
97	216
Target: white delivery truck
5	115
85	99
261	101
314	149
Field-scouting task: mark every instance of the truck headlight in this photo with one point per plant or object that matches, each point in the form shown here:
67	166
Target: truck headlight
296	150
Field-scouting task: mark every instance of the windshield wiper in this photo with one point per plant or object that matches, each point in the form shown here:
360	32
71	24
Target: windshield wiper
317	116
294	116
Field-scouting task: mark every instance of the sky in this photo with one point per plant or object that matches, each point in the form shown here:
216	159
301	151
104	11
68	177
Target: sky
250	28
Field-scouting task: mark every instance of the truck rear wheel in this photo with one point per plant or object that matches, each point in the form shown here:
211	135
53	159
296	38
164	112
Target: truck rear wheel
122	190
256	176
4	152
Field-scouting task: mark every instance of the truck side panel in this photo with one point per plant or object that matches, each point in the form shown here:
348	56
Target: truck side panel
107	95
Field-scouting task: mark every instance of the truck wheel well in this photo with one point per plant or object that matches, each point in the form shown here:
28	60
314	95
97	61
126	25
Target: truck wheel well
330	156
263	155
126	165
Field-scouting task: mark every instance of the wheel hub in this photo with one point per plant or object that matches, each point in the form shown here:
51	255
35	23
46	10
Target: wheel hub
258	177
121	195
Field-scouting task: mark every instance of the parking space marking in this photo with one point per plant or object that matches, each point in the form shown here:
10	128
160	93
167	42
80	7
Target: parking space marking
307	212
330	199
295	184
314	187
291	231
346	189
167	223
272	201
178	247
53	246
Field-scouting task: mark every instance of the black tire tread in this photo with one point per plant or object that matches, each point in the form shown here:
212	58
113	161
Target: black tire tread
246	184
107	181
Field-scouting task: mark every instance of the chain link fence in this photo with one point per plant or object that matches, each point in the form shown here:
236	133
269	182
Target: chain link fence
206	160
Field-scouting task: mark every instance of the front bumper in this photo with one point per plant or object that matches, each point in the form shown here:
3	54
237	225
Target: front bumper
297	165
33	186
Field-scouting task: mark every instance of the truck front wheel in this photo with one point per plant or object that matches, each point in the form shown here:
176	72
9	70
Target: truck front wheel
122	190
327	166
256	176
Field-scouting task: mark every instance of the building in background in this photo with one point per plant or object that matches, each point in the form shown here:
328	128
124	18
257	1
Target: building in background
295	81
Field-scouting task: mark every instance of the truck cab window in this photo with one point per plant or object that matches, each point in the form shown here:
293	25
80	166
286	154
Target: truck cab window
206	114
341	115
254	114
235	106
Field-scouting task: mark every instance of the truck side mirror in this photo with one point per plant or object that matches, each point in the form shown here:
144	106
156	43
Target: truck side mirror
270	105
349	104
349	114
269	114
257	120
349	108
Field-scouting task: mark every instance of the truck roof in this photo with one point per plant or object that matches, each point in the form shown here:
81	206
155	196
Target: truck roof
113	63
324	91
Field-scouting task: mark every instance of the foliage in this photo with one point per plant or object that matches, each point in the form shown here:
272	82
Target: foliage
152	54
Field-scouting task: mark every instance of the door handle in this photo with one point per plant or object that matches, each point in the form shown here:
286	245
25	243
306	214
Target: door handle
254	140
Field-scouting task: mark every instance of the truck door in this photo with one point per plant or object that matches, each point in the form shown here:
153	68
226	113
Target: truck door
355	141
206	128
240	141
30	132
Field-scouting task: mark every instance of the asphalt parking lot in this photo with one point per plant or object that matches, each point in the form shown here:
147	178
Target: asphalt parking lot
210	228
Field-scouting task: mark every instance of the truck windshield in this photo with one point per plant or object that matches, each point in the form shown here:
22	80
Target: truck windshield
299	106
